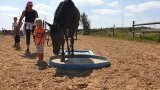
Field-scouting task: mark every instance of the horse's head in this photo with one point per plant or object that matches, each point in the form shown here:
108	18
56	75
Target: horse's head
56	36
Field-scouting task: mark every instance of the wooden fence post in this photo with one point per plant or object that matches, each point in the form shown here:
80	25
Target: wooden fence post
133	28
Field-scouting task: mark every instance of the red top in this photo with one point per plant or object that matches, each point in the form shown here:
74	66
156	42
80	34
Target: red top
40	36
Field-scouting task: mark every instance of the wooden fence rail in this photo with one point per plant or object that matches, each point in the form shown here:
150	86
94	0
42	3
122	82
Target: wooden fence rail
147	31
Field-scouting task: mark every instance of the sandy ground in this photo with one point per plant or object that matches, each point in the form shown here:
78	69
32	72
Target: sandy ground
135	66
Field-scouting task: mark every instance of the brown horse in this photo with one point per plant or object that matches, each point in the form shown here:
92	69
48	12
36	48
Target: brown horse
66	22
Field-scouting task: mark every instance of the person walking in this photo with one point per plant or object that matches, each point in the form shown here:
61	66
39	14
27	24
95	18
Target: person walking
40	37
16	33
30	16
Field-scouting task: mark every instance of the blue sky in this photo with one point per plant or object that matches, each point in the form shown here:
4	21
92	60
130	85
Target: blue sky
102	13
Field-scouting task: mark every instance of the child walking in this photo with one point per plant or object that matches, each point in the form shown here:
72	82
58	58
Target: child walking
40	37
16	34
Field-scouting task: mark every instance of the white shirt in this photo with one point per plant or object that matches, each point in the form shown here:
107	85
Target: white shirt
14	24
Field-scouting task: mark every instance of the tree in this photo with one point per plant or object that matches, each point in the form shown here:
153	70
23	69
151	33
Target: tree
85	23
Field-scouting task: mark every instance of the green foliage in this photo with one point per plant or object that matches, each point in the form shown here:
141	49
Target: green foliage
152	37
85	23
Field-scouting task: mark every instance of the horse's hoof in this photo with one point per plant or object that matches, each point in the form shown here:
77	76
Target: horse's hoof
27	51
62	60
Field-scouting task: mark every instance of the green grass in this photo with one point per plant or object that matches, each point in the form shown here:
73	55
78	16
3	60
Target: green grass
125	35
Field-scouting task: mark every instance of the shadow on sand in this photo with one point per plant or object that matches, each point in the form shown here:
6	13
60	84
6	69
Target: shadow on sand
42	65
72	73
29	56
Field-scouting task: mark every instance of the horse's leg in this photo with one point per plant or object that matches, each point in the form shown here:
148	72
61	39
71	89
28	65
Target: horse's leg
63	54
66	37
72	44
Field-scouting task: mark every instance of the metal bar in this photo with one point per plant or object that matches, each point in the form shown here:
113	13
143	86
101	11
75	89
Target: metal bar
146	23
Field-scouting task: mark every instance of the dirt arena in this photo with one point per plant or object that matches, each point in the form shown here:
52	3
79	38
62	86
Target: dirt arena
135	66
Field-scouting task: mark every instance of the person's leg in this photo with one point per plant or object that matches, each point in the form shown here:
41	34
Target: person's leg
28	34
13	38
39	62
41	56
18	41
41	50
33	32
14	41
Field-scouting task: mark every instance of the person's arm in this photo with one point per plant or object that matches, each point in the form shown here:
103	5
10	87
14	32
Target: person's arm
21	18
34	32
36	14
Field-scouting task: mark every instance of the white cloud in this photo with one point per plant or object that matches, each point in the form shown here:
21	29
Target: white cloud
143	6
42	7
98	21
129	14
88	2
105	11
114	4
44	10
8	8
12	15
9	11
93	17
